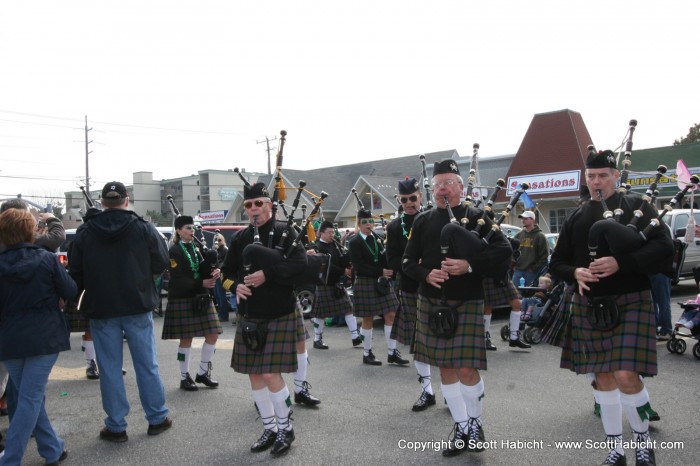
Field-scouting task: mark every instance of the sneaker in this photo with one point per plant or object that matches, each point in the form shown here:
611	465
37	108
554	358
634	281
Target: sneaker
370	359
489	345
475	433
283	442
615	458
188	384
457	444
318	344
357	341
395	358
206	378
518	343
424	401
92	372
155	429
304	397
266	440
117	437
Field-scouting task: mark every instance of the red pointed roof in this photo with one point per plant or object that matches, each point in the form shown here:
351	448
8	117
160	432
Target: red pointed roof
555	142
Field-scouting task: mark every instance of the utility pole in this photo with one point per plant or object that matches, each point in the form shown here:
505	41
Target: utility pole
87	152
267	141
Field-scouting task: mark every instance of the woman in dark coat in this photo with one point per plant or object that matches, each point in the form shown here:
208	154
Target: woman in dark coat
33	331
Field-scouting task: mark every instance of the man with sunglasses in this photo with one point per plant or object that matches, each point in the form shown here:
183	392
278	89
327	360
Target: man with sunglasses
447	282
373	294
404	327
266	298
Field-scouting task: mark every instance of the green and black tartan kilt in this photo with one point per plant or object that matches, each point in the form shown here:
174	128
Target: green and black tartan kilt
77	322
557	329
327	305
181	322
368	302
631	346
404	327
302	333
466	349
279	354
495	293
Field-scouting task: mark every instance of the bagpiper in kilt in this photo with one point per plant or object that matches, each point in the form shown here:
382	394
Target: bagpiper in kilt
404	328
269	327
373	291
451	283
190	311
498	291
331	299
618	283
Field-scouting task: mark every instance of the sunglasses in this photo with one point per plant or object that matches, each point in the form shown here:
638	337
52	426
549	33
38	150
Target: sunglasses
404	200
249	204
444	184
365	221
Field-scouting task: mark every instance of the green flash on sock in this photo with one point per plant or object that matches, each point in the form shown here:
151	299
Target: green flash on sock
180	356
316	325
481	397
288	401
643	411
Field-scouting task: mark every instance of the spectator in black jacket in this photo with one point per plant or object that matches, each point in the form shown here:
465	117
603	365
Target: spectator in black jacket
116	258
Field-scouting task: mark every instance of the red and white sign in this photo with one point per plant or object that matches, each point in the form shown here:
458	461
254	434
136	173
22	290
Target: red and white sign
546	182
215	216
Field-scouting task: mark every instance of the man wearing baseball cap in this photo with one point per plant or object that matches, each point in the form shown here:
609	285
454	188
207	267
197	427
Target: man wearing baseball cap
533	249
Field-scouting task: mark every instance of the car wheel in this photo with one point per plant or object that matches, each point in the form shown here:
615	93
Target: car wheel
305	298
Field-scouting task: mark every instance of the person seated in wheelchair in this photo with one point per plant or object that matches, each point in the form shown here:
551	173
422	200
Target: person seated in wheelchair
690	318
533	306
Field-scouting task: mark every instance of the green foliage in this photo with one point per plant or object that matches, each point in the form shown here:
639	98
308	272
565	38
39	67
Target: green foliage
157	218
693	136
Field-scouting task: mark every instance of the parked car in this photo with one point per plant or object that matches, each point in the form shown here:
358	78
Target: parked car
677	220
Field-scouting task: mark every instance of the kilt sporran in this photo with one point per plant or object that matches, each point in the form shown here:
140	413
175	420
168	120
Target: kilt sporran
603	313
254	334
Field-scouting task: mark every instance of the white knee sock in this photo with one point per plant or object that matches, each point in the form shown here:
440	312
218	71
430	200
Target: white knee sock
207	353
183	355
281	403
367	343
89	348
487	323
267	411
474	398
351	321
514	324
455	401
300	374
423	370
635	407
611	415
390	342
319	325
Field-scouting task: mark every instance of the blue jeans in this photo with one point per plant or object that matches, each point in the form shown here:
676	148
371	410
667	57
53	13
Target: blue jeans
661	296
529	277
108	335
222	303
29	377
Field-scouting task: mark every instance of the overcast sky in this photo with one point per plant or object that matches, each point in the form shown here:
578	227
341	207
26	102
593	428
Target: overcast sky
175	87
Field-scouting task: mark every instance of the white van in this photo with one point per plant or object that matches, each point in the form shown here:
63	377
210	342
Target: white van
677	220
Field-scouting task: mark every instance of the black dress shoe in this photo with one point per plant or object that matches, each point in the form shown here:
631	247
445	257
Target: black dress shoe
266	440
188	384
357	341
645	457
304	397
371	360
155	429
489	345
395	358
63	456
206	378
457	444
614	459
117	437
475	433
518	343
426	400
283	442
318	344
92	372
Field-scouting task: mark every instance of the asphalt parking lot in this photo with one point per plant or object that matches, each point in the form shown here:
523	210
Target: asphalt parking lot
365	416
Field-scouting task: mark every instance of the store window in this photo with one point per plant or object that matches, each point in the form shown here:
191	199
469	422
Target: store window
557	217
